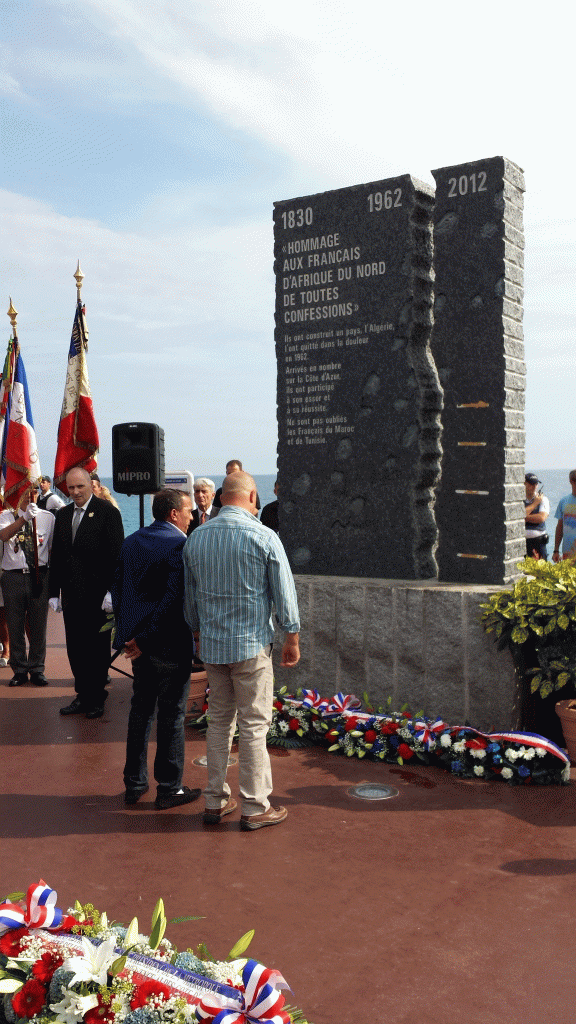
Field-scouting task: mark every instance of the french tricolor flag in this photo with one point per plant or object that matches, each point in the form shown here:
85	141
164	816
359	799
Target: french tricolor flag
77	433
20	462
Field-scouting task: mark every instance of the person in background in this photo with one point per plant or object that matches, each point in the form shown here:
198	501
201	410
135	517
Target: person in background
25	588
536	512
234	466
566	526
88	536
204	498
47	499
234	569
147	597
101	491
269	514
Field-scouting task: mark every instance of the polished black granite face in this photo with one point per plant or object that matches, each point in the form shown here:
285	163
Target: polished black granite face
356	384
478	350
401	449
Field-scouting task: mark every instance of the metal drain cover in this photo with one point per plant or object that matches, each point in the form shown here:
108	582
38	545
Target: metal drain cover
202	762
373	791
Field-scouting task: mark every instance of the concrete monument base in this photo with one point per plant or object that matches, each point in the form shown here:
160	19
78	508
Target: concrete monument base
420	642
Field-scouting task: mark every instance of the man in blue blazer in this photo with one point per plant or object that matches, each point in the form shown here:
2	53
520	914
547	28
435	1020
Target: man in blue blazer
147	596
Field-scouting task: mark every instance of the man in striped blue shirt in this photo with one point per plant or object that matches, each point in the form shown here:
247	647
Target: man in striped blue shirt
235	569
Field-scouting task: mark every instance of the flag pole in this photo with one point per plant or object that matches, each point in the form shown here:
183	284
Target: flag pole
79	279
13	314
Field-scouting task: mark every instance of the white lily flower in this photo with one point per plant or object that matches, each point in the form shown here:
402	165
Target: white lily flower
94	964
72	1007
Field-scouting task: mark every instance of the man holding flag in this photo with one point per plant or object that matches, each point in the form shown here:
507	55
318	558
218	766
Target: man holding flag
27	535
87	538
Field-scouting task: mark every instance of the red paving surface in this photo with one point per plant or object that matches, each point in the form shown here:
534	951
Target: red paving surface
453	902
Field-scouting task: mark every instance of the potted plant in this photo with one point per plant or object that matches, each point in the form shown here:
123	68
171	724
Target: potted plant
536	621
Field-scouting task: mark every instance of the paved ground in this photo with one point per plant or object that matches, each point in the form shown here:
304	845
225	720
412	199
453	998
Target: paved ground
452	903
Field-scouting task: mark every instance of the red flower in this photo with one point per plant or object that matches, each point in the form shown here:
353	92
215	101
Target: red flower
351	723
389	728
278	705
294	724
370	736
10	941
405	752
101	1014
146	991
44	968
478	743
30	999
332	735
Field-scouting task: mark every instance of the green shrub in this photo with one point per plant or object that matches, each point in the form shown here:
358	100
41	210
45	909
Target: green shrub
540	610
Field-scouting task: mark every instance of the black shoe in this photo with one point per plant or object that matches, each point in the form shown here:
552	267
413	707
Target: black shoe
18	679
75	708
186	796
132	796
95	712
38	678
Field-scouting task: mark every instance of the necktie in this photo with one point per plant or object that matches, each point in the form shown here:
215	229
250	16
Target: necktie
202	519
28	545
76	519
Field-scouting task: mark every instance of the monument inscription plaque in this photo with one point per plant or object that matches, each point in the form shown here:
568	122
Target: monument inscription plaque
358	395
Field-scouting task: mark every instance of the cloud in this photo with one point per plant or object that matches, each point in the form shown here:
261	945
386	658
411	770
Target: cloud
167	315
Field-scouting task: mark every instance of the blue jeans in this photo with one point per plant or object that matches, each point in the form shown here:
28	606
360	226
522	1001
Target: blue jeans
162	683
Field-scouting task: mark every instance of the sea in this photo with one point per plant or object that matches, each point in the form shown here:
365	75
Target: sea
130	506
554	485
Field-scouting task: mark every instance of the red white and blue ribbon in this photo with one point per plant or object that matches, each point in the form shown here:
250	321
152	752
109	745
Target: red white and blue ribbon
529	739
261	1000
428	732
312	700
341	703
40	910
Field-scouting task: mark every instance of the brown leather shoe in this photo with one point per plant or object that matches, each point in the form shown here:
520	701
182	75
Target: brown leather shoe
213	815
273	816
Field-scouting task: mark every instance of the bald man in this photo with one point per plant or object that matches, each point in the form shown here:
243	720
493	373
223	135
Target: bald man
88	535
235	568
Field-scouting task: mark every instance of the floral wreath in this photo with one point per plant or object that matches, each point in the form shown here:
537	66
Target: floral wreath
77	967
400	737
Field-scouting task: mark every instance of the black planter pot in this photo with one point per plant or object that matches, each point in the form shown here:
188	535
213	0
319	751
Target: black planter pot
538	714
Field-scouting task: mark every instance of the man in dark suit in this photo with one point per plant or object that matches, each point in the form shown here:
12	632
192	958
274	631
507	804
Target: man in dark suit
148	598
204	498
88	535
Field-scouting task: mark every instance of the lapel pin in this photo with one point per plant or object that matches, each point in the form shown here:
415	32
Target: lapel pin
90	514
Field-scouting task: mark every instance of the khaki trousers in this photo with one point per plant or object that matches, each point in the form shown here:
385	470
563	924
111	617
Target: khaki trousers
242	690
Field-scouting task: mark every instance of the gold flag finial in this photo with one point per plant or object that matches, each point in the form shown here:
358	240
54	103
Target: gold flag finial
12	313
79	279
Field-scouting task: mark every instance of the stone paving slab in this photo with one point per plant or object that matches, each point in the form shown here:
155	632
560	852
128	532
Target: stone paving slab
451	903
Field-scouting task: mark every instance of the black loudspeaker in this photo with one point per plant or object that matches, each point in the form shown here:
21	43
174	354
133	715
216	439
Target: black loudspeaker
137	458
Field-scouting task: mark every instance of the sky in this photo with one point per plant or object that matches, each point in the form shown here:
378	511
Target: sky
150	140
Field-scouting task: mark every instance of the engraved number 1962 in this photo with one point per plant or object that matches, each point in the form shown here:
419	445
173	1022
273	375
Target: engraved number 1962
467	183
384	200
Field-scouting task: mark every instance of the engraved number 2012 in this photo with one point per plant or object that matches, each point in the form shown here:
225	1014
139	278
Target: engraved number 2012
467	183
384	200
